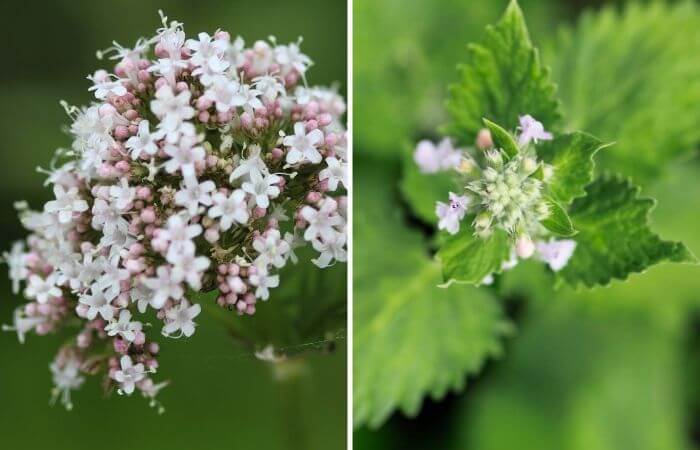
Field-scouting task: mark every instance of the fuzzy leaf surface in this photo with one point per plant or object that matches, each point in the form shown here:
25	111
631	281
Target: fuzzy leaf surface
502	79
615	237
412	339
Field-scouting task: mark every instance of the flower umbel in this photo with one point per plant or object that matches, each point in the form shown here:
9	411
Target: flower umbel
182	178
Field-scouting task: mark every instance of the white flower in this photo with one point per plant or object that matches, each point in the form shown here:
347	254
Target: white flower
163	287
42	289
16	260
289	57
431	158
556	253
336	172
179	318
107	217
124	326
321	221
205	48
122	195
129	374
66	204
303	146
142	296
183	156
234	52
144	141
224	93
116	242
229	209
104	86
23	324
262	57
211	70
263	281
531	130
262	189
97	304
171	109
194	193
188	267
92	268
269	87
247	97
110	281
272	248
451	214
66	377
247	166
331	249
180	234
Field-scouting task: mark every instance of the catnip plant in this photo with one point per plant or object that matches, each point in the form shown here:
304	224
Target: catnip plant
507	184
200	166
524	188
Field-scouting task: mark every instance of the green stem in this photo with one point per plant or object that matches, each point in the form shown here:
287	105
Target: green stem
290	375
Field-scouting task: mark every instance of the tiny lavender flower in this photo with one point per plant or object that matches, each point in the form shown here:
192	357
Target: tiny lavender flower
182	178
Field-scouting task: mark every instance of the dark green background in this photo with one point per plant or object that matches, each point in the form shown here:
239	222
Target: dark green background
220	397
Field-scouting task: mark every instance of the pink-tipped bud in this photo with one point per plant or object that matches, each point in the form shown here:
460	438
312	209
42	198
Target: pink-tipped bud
484	140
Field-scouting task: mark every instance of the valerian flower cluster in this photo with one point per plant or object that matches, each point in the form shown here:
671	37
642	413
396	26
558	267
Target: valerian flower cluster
201	165
500	192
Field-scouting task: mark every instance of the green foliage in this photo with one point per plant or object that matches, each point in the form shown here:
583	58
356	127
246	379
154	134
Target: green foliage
467	258
578	381
615	238
502	80
571	156
558	221
632	77
412	338
502	139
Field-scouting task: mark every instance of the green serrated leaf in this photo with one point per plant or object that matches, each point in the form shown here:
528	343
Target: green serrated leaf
571	156
632	77
558	221
615	238
421	191
469	259
502	139
412	339
502	80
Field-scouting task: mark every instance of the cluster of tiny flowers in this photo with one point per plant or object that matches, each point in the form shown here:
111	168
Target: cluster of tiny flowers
500	192
201	165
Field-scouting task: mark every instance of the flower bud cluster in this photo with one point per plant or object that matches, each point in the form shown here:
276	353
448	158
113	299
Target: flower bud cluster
500	192
201	165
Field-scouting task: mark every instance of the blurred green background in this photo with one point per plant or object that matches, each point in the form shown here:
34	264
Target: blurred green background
220	396
612	368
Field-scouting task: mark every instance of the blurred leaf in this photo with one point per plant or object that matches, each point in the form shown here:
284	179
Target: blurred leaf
614	236
502	80
412	338
632	77
576	381
467	258
571	156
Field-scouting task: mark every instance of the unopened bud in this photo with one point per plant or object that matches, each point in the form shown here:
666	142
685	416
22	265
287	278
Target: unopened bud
524	247
483	139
